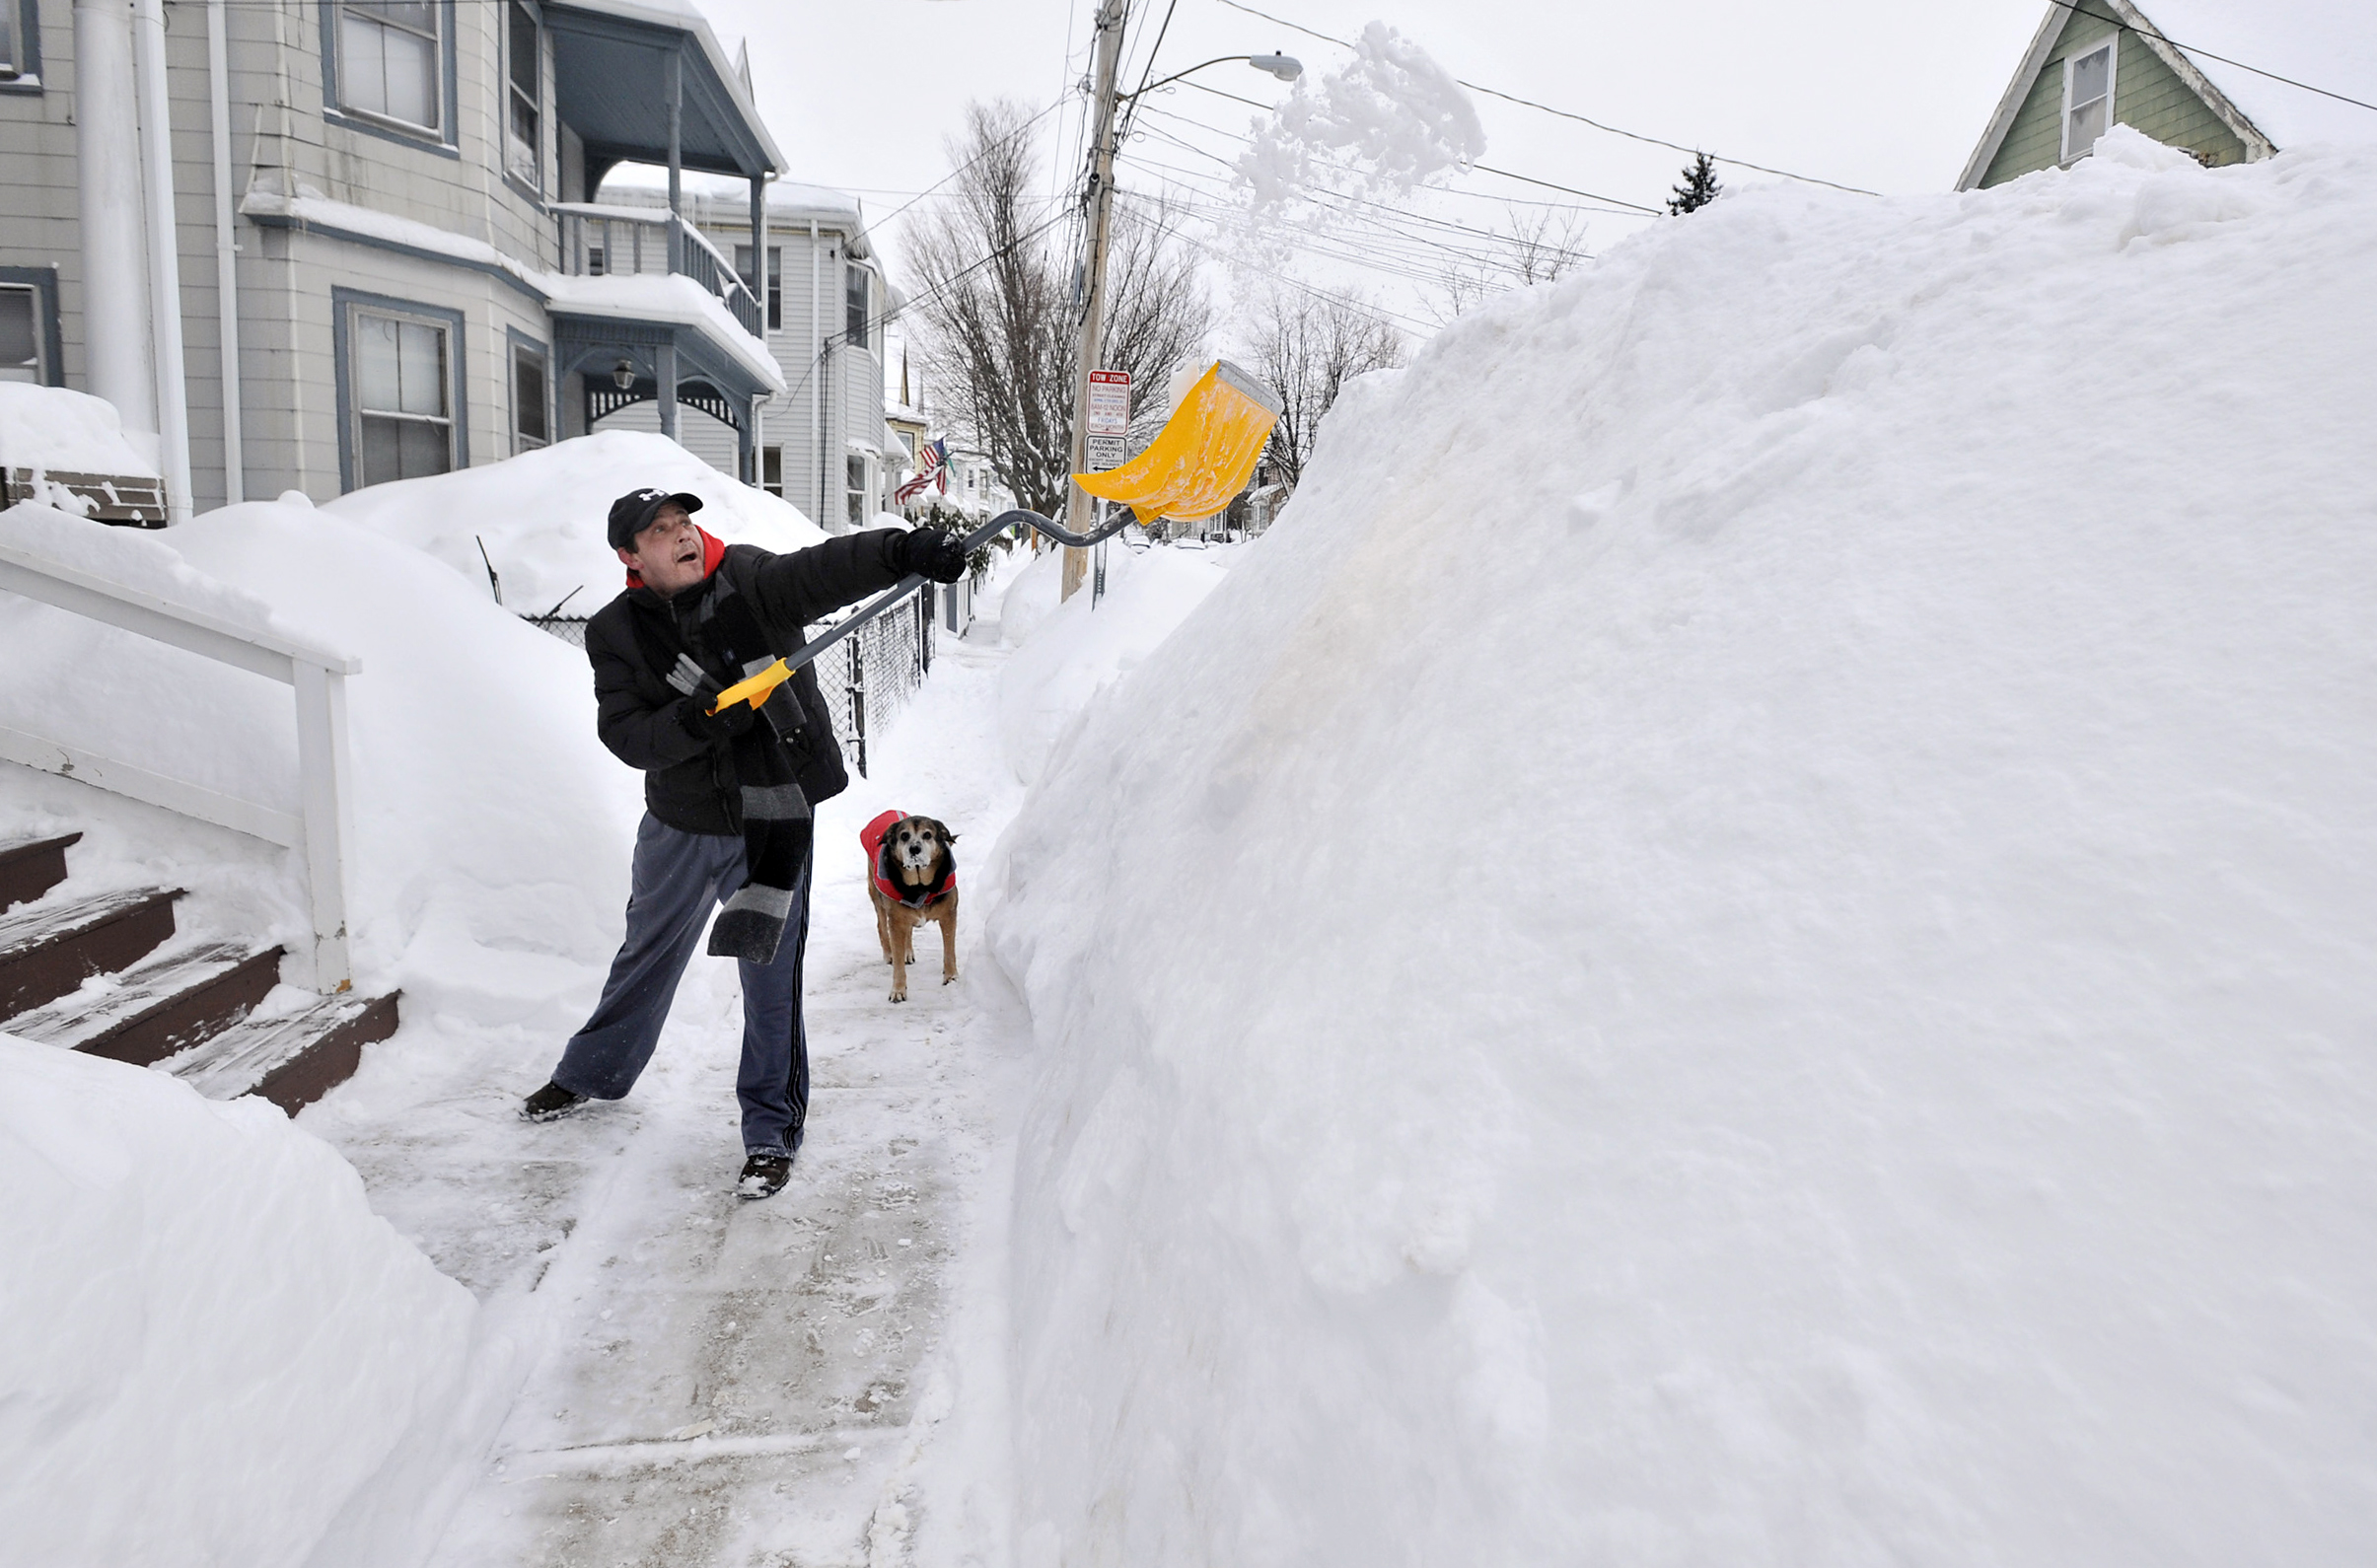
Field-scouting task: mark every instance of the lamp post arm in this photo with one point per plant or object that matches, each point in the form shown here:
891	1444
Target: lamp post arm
1224	59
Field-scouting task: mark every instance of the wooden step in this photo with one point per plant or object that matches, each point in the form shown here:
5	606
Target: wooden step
30	867
166	1003
49	948
293	1058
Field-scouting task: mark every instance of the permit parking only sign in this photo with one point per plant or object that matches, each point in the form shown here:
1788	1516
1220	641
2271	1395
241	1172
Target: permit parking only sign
1109	417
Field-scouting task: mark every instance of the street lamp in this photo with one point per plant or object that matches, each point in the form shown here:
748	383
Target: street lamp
1102	183
1286	67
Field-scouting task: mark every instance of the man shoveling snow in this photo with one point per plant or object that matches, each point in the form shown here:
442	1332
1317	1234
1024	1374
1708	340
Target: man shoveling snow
728	789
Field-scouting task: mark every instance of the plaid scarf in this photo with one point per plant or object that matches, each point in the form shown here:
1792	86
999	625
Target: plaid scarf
776	823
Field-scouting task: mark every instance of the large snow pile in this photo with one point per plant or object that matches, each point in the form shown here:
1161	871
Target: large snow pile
1783	981
1068	652
212	1343
70	432
479	780
541	515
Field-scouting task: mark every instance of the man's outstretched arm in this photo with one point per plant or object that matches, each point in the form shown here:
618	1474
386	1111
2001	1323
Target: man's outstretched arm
801	586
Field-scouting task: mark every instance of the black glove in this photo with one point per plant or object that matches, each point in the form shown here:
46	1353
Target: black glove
935	554
693	712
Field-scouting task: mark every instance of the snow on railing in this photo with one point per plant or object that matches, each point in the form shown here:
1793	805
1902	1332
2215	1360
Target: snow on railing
602	241
324	825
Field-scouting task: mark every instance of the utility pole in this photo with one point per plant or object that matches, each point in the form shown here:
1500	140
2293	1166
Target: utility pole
1093	313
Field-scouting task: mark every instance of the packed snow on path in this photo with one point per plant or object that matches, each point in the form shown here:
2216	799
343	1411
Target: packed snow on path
493	848
1786	981
716	1381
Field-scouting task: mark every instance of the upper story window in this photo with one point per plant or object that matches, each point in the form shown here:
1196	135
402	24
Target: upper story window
389	54
2088	97
524	94
854	306
775	281
12	54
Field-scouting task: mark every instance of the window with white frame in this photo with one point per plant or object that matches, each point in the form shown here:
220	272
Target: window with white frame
854	481
531	419
2088	96
854	307
12	41
524	94
771	470
389	54
402	397
775	281
23	333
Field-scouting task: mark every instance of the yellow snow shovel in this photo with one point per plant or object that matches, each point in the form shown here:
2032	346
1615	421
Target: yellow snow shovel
1202	456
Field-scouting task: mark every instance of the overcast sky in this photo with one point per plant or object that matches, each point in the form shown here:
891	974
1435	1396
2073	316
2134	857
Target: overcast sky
1880	93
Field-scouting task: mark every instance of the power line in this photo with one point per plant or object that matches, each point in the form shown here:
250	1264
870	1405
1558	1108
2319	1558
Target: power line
833	340
1379	310
1493	92
1380	226
1052	107
1379	223
1610	202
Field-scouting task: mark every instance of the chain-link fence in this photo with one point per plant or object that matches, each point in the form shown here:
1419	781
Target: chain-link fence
570	629
867	680
880	668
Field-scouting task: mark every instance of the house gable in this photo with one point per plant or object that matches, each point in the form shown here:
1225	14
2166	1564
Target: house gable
2156	90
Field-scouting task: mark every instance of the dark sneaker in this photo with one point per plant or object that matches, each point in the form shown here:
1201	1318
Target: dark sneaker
764	1175
549	1103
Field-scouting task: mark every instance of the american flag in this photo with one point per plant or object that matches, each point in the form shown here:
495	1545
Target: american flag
932	468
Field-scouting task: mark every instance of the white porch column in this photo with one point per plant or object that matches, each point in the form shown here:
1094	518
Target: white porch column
107	157
165	258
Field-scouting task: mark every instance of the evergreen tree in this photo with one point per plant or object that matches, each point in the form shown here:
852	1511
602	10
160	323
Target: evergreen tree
1699	187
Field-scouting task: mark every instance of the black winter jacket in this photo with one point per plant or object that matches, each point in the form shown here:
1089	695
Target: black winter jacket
689	783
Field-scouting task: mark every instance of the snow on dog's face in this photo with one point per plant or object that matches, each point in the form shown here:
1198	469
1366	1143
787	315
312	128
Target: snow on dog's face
916	843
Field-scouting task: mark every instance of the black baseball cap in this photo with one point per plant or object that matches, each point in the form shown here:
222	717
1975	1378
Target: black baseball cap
633	513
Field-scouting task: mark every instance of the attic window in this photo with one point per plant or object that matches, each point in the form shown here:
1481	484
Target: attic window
2087	98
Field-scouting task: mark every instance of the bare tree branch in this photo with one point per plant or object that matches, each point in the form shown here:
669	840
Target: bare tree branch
1003	333
1307	347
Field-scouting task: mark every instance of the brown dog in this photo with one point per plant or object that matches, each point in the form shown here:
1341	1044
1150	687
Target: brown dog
911	878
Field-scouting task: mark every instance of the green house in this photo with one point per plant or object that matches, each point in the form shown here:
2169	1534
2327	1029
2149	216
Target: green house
2097	63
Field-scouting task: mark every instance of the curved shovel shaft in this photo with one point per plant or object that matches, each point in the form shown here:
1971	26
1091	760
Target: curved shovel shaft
781	671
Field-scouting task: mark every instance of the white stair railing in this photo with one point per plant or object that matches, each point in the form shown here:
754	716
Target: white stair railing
324	825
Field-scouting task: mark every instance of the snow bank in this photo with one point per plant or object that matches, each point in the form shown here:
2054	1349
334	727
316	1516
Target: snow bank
542	515
212	1342
1783	981
478	778
134	559
1068	653
49	427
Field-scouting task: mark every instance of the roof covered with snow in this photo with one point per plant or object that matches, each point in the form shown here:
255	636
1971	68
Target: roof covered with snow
2324	44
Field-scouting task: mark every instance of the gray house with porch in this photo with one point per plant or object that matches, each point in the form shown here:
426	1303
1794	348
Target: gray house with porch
357	244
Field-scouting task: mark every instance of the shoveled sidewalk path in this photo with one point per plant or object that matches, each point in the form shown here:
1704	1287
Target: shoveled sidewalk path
716	1381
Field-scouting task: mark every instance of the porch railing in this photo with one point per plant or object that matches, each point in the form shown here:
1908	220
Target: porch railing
624	241
323	827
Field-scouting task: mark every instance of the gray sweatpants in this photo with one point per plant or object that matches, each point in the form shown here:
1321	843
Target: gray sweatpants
679	879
